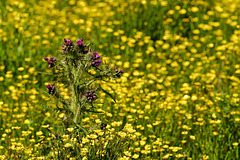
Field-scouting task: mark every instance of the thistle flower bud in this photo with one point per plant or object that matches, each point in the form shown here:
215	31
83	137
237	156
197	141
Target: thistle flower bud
95	59
91	96
51	62
51	89
80	44
118	72
67	46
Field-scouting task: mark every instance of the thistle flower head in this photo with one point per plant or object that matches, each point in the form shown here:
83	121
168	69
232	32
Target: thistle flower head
67	46
95	59
67	42
91	96
51	89
51	62
80	44
118	72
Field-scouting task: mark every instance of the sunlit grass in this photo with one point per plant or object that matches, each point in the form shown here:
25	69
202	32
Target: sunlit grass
178	96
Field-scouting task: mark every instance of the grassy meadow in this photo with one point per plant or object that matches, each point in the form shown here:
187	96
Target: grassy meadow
178	97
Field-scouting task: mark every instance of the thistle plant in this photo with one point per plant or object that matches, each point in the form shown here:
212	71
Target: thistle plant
79	69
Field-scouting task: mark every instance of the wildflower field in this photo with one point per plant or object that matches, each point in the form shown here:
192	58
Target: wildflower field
177	91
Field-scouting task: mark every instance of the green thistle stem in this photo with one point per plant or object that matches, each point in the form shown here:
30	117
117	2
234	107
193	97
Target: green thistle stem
73	105
77	114
75	108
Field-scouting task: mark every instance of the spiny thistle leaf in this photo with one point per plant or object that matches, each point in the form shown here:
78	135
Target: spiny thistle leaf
107	93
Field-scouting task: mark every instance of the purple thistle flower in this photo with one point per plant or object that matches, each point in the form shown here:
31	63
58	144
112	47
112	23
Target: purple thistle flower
80	41
52	61
91	96
51	89
67	42
95	59
81	47
118	72
67	46
80	44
